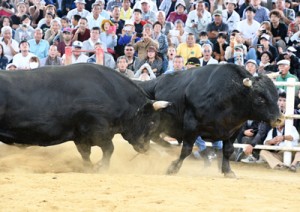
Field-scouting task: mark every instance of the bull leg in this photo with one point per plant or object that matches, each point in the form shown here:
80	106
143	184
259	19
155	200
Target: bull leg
186	150
107	151
227	152
85	152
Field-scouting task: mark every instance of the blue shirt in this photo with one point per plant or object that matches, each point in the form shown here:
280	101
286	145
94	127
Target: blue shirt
41	49
262	14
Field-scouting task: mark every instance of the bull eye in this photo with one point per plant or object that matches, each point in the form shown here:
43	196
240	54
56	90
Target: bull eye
152	123
261	100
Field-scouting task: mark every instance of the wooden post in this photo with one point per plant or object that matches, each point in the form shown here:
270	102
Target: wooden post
68	55
290	99
99	56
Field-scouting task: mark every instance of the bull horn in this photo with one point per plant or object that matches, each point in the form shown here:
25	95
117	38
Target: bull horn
160	104
273	75
247	82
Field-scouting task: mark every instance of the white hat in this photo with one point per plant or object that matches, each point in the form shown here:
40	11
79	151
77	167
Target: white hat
80	1
128	22
232	1
180	2
77	44
251	61
291	49
283	62
266	36
10	64
144	1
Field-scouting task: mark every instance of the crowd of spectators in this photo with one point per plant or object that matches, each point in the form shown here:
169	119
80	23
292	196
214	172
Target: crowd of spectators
144	39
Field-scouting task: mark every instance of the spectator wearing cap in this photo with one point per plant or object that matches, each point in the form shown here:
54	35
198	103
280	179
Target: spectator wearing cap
24	31
94	19
22	59
179	12
108	59
161	39
198	20
167	6
238	56
249	26
54	34
265	28
126	10
262	13
251	67
230	16
190	48
217	26
147	14
122	64
53	59
220	47
138	22
151	3
294	61
16	18
79	10
82	33
94	38
127	33
111	4
10	46
192	62
66	41
207	56
287	15
284	68
77	56
278	29
11	67
39	46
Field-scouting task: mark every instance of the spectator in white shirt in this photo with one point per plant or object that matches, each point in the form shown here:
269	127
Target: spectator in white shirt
10	46
95	19
79	10
22	59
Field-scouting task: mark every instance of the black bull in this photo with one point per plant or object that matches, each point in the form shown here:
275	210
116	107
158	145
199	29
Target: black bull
212	101
85	103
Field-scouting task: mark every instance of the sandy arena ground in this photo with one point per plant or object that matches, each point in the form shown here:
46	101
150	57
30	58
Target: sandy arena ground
54	179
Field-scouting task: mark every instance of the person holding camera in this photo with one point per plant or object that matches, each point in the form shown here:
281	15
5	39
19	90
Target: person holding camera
24	31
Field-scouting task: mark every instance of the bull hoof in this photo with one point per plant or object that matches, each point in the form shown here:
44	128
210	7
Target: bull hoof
230	174
171	171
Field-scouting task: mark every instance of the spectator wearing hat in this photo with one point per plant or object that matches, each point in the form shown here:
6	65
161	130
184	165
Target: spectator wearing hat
111	4
161	39
82	33
179	12
192	62
147	14
22	59
167	6
249	26
197	20
24	31
289	54
53	59
287	15
284	68
66	41
278	29
21	10
261	14
77	56
10	46
230	16
79	10
39	46
142	45
94	18
251	67
11	67
126	10
207	55
190	48
217	26
108	36
153	60
122	64
220	47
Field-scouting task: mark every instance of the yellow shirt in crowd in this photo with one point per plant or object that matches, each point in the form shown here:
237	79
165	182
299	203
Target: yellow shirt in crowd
187	52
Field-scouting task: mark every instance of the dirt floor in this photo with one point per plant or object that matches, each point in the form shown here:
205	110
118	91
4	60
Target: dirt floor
54	179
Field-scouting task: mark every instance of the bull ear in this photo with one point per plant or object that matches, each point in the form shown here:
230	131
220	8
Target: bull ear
247	82
160	105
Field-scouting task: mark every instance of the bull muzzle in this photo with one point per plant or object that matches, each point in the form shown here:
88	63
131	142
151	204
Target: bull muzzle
142	148
279	121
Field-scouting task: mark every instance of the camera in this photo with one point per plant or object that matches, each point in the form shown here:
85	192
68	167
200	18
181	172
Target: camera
24	25
264	31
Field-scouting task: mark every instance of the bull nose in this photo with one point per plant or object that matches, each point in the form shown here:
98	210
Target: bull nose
279	121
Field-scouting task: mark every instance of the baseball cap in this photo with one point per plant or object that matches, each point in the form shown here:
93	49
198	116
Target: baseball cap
265	36
67	29
251	61
80	1
217	12
283	62
77	44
